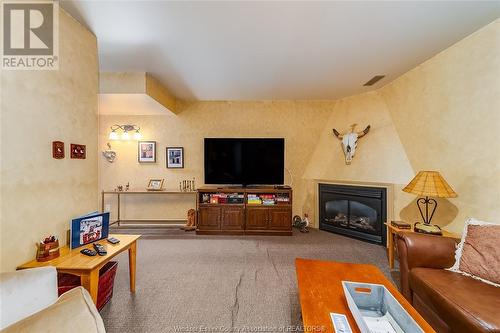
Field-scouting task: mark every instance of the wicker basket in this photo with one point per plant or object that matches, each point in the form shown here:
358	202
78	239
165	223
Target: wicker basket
107	275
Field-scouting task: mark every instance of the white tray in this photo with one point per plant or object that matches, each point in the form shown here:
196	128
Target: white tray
375	310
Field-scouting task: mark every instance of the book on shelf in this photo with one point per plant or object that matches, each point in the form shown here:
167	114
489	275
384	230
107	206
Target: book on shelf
401	224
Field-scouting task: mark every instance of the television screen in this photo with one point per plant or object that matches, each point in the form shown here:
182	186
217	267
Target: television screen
244	161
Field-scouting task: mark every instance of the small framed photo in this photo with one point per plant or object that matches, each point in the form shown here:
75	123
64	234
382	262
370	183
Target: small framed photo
175	157
155	185
147	152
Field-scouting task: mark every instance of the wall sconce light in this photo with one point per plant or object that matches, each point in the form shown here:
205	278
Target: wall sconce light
126	129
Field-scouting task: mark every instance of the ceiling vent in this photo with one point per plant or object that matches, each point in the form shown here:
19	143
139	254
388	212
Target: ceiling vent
374	80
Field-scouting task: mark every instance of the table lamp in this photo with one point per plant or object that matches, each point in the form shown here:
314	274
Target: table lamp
429	184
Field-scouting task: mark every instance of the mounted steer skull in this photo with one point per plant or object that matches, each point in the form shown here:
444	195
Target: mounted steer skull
350	141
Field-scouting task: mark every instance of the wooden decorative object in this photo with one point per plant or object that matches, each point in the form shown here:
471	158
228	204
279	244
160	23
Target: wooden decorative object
78	151
58	149
47	251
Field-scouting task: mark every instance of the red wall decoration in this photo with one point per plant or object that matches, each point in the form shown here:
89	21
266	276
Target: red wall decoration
78	151
58	149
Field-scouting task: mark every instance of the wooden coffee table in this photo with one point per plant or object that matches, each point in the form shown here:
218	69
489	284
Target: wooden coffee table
320	291
73	262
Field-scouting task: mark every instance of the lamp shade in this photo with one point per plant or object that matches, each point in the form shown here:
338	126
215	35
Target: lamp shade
430	184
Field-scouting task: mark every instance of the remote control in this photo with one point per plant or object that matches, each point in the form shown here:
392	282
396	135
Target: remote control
113	240
101	250
88	252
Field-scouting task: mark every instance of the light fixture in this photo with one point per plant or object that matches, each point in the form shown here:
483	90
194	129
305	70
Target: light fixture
125	135
429	184
113	135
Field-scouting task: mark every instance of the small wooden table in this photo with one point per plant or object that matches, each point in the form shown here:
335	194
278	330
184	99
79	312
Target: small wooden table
320	291
392	231
73	262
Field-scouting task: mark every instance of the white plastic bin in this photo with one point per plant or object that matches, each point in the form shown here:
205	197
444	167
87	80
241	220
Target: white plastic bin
375	310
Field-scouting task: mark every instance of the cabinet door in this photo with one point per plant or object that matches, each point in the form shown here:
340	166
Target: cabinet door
280	218
232	218
209	218
257	218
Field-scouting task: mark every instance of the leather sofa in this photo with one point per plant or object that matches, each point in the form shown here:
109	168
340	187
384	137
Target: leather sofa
450	302
29	303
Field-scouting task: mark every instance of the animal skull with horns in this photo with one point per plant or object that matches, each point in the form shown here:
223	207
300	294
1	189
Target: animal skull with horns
350	141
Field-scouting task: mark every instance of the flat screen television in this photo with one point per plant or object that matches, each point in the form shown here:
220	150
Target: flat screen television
245	161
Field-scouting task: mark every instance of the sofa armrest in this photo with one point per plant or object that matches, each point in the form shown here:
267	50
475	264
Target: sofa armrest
74	311
420	250
25	292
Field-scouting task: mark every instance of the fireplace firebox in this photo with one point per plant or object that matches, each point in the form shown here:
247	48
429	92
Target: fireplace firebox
355	211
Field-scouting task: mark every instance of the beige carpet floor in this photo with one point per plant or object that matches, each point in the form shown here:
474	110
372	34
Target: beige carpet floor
189	283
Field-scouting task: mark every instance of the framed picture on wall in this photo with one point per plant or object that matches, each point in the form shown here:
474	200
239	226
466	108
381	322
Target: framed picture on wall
147	152
175	157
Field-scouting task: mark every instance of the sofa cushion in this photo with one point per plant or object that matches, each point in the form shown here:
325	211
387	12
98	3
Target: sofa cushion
73	312
466	304
478	254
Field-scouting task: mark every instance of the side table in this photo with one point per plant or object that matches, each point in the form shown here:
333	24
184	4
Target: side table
392	231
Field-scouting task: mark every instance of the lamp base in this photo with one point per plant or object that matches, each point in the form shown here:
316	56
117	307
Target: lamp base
427	229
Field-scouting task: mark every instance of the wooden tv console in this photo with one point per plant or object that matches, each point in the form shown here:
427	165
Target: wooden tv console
227	211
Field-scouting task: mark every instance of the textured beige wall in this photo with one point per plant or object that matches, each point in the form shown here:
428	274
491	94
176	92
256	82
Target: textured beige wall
122	82
379	157
298	122
442	115
447	114
39	195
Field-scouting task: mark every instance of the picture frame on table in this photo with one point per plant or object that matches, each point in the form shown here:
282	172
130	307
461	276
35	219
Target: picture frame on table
175	157
155	184
89	228
146	152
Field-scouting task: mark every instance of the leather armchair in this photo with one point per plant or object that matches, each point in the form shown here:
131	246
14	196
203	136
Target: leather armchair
419	250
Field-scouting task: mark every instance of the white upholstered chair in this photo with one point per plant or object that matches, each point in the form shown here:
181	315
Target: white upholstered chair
29	303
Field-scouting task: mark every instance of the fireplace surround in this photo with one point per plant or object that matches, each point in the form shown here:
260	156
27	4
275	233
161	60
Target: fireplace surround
354	211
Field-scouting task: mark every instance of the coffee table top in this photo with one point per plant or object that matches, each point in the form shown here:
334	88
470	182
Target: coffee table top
320	291
73	259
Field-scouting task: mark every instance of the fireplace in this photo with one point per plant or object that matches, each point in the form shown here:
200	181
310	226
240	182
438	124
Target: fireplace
355	211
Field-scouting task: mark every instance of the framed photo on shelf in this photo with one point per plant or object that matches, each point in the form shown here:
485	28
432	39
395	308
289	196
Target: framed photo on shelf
175	157
155	185
146	152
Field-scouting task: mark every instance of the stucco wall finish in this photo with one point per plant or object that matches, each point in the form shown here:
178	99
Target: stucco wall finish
443	115
299	122
39	194
447	113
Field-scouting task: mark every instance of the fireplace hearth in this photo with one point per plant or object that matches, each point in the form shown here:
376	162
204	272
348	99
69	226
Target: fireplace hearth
355	211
